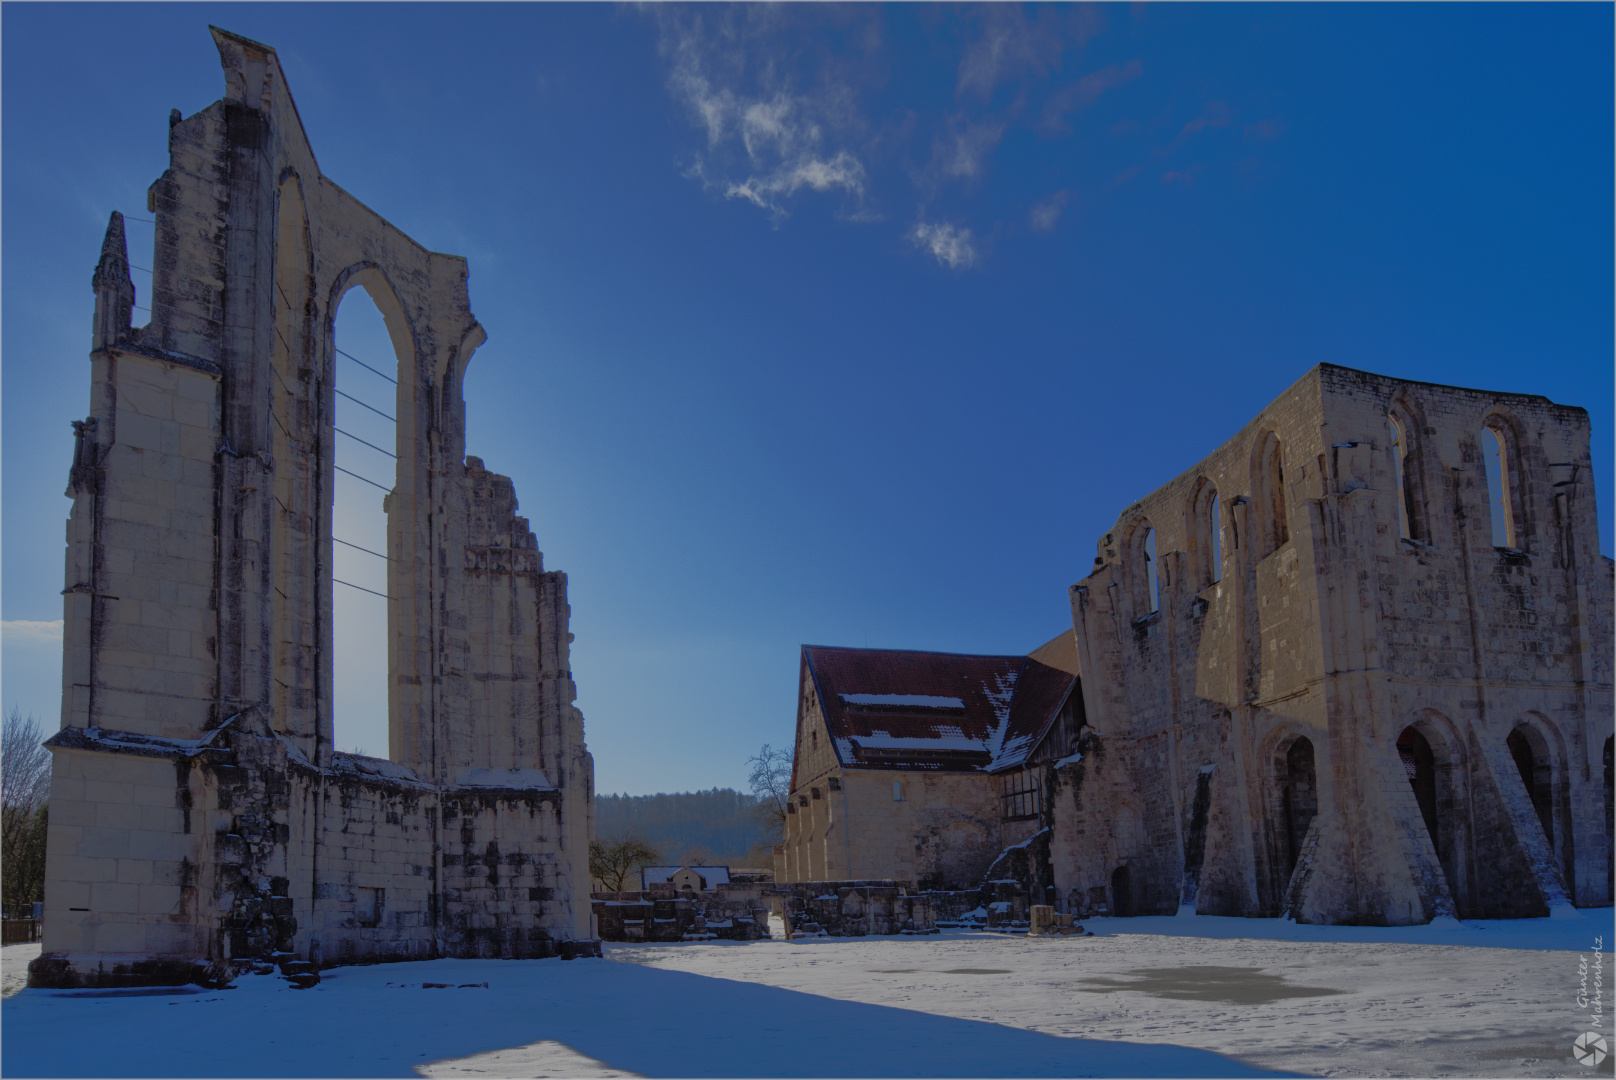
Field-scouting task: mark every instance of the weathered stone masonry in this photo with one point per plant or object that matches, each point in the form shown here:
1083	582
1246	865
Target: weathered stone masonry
1332	691
199	812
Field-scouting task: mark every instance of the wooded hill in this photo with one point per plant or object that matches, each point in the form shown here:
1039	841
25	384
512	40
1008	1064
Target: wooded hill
720	827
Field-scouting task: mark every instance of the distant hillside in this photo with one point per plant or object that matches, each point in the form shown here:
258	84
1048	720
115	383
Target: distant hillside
718	827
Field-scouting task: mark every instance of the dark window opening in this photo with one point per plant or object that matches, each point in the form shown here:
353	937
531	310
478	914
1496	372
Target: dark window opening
1020	795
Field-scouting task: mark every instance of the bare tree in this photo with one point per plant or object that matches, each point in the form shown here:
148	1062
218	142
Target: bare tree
611	861
771	786
25	768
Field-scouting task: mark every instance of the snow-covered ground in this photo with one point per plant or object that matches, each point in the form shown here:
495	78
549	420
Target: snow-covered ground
1144	997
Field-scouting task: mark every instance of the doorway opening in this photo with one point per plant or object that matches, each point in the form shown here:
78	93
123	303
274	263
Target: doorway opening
1121	893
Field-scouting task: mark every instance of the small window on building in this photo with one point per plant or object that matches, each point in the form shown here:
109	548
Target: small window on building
1020	795
1214	532
802	799
834	783
815	793
814	738
791	807
897	791
368	906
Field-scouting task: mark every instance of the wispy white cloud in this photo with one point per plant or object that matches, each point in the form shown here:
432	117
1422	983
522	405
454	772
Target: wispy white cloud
767	138
1085	92
951	245
963	150
1047	211
1009	45
32	632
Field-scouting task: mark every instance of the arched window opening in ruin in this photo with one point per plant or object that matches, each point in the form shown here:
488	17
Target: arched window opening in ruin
1271	487
1214	539
1121	893
1419	762
1400	463
364	442
1151	580
1495	460
1532	762
1299	799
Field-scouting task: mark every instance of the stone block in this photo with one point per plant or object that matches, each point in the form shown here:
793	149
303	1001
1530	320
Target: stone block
114	897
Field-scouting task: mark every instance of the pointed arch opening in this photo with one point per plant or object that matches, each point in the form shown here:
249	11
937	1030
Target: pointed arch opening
1299	799
1533	762
1419	764
1409	519
1273	529
1206	529
1501	466
1143	570
366	369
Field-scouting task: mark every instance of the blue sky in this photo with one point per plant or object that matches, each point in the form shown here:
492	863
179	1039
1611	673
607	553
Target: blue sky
850	326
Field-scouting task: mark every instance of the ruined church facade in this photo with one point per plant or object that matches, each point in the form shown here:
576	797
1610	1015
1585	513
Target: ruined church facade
200	814
1353	667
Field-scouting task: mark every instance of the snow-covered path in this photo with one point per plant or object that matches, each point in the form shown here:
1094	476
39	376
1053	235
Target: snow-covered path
1187	999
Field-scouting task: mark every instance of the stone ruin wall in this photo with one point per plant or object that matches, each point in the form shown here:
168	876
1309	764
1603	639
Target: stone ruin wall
1347	633
200	813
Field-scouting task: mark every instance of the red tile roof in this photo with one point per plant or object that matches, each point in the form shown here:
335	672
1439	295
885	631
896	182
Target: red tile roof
934	712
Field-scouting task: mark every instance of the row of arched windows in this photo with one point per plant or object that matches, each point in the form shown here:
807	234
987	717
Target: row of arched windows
1499	463
1270	525
1270	522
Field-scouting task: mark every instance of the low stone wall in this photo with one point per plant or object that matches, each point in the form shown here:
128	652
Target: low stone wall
855	908
729	914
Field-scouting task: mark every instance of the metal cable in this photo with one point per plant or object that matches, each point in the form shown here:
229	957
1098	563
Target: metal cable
357	439
372	408
356	476
366	366
361	588
366	550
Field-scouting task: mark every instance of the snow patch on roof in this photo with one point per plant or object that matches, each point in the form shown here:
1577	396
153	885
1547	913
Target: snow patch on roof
369	766
712	875
945	739
512	779
913	701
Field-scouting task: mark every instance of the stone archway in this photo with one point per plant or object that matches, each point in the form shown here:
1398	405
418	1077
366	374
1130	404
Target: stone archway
1419	762
1299	799
1536	767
